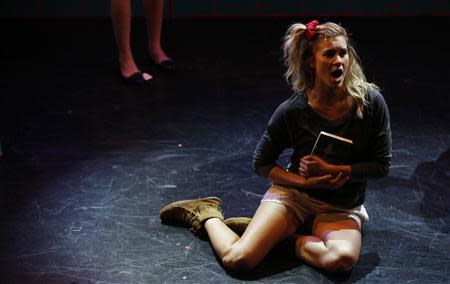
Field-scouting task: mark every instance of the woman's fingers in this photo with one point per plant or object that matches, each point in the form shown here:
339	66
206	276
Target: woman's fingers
340	180
328	181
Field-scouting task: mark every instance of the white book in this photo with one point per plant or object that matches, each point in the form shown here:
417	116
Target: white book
332	148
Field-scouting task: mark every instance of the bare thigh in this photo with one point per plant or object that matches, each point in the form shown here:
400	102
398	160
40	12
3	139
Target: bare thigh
271	223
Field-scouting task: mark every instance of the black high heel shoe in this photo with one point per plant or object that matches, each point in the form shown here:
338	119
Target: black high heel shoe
137	79
165	65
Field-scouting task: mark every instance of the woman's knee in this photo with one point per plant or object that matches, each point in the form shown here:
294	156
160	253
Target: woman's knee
340	259
238	259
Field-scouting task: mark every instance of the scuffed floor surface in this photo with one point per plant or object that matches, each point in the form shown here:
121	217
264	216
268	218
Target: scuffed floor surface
88	162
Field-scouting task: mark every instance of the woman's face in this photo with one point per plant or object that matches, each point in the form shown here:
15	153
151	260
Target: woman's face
330	61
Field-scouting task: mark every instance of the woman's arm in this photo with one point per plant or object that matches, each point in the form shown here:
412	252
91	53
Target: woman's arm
314	166
283	177
380	142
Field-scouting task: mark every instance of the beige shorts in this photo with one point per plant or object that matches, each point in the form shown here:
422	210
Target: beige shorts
305	206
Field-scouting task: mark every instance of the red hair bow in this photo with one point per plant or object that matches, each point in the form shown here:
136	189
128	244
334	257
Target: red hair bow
311	29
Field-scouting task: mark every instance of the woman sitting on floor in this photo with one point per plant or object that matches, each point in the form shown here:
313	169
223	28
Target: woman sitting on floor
332	95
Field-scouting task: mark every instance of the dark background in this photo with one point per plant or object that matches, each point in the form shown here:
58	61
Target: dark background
87	162
229	8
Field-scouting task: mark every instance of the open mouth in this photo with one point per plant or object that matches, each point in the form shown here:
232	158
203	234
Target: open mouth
337	73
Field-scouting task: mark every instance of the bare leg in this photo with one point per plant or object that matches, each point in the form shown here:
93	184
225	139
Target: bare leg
121	22
271	223
154	16
335	244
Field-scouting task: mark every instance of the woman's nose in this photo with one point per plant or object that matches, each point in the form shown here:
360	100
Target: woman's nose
337	59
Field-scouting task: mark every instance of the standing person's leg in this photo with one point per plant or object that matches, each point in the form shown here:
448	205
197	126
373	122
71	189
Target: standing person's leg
121	22
335	244
154	16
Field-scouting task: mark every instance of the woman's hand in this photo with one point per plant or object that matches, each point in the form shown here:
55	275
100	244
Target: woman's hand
325	181
311	166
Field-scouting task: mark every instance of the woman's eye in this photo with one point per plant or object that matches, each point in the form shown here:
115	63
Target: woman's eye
329	54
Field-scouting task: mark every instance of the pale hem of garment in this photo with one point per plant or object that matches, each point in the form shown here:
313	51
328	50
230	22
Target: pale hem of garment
294	199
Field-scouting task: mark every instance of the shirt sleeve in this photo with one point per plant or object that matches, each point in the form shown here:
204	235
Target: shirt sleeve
380	147
272	143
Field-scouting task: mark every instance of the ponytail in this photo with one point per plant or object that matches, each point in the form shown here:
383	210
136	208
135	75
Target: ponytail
293	47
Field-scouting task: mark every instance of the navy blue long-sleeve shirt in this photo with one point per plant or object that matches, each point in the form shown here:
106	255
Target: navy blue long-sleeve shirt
294	124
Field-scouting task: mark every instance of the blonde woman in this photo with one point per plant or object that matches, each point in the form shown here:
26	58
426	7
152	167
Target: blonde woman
332	95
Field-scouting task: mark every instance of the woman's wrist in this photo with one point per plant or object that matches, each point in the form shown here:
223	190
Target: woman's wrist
336	169
300	181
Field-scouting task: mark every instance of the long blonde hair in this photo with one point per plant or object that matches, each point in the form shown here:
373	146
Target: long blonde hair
298	53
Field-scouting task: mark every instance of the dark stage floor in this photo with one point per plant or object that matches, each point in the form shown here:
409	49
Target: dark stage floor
88	162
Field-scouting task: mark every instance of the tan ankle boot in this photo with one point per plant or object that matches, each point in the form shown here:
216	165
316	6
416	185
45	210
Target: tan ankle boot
237	224
192	213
